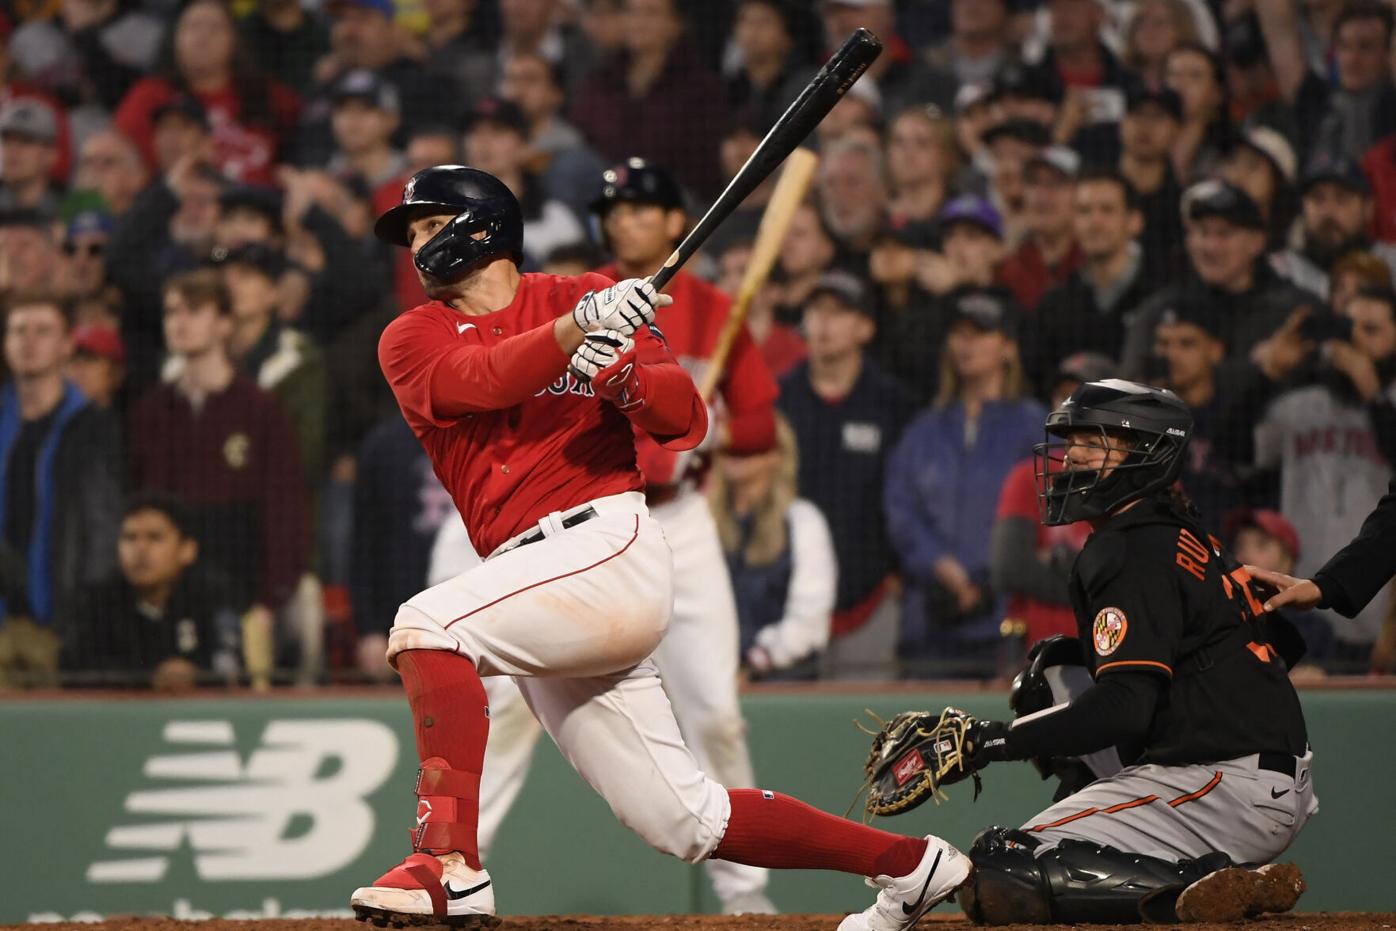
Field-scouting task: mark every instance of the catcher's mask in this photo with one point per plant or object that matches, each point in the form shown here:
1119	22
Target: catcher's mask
1150	427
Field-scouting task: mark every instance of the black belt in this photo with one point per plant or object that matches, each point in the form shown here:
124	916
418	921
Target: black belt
582	516
1284	763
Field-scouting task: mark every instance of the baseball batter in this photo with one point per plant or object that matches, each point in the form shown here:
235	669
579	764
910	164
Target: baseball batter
641	210
1184	678
524	390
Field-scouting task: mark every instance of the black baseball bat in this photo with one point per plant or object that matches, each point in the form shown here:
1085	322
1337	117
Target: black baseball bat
798	121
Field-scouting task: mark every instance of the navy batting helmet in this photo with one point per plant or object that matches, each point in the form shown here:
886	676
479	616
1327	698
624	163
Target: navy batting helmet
637	181
482	205
1156	426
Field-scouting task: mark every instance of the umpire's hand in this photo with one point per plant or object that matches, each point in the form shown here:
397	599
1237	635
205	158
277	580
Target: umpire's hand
1289	591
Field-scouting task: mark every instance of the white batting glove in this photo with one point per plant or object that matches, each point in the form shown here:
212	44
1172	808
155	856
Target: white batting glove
599	352
624	307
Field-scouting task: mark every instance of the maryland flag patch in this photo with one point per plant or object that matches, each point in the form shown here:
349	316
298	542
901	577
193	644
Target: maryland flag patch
1108	632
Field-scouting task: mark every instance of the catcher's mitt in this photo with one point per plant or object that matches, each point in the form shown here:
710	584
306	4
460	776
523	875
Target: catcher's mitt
912	756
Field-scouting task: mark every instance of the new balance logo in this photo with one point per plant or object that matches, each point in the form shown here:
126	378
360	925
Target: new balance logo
294	809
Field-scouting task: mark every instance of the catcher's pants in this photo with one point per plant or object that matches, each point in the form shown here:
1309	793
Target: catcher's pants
697	662
1247	812
574	618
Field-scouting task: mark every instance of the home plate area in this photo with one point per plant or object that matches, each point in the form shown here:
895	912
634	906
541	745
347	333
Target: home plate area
1321	921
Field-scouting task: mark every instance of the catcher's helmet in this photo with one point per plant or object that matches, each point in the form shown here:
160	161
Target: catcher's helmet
637	181
482	204
1156	423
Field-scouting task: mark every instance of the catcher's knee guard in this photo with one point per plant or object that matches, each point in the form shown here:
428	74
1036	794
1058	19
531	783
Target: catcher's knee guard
1074	881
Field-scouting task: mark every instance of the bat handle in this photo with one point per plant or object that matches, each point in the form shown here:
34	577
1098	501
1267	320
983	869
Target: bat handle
667	271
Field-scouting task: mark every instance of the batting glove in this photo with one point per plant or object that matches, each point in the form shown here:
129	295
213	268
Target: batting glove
623	307
607	360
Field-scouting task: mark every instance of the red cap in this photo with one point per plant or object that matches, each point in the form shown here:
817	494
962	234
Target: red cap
101	341
1271	523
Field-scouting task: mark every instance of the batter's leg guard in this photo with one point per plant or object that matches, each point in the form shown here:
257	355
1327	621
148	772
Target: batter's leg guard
1075	881
447	809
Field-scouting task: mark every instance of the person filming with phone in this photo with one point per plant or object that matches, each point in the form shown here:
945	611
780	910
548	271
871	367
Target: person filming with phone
1333	441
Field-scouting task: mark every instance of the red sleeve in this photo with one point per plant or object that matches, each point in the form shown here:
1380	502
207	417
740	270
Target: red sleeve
441	382
133	116
1019	495
672	413
749	394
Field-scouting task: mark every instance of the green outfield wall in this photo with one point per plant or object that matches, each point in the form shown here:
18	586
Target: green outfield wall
280	806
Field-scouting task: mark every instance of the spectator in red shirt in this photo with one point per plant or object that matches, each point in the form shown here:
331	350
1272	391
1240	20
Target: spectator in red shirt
1048	254
251	115
1029	563
228	449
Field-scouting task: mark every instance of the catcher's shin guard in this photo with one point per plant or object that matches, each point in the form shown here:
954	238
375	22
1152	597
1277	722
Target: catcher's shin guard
1075	881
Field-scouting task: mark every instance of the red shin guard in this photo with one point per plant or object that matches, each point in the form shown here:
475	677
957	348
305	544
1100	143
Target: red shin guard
780	832
451	715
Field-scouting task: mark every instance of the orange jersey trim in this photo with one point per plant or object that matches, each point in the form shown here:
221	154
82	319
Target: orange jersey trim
1194	796
1135	662
1122	806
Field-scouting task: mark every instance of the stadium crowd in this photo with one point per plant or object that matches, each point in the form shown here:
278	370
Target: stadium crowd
204	478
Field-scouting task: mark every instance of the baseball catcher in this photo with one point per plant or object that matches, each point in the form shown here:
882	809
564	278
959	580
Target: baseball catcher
1177	673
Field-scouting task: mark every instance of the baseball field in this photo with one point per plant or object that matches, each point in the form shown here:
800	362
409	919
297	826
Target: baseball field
1320	921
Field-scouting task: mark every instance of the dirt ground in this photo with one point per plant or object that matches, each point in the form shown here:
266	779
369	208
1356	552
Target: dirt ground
1346	921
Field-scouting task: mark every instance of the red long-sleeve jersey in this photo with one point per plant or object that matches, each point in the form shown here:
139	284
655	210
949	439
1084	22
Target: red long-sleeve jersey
511	435
691	326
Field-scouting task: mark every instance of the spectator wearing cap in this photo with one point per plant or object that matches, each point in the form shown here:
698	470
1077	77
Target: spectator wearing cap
110	164
1147	133
979	46
1008	147
1189	345
227	448
1090	310
1155	29
847	414
159	619
852	186
779	343
60	484
98	364
1261	163
971	248
280	359
1030	563
1197	76
1336	219
179	131
809	250
252	116
1264	539
1333	443
1020	92
1225	245
923	162
630	106
289	39
942	484
496	141
566	166
1048	252
1341	118
362	35
85	243
769	71
364	119
29	255
28	151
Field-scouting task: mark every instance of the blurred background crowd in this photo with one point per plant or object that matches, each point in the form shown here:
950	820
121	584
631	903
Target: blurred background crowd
203	477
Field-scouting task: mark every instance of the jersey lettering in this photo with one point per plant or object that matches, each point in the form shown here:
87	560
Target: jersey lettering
1192	556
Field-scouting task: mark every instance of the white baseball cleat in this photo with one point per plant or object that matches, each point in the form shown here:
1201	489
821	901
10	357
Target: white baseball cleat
904	899
428	890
